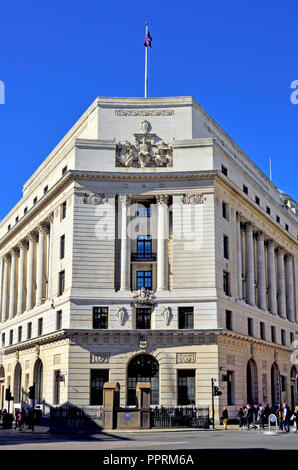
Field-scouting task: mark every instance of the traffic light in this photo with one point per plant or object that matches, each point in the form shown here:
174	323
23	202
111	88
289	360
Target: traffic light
217	392
31	394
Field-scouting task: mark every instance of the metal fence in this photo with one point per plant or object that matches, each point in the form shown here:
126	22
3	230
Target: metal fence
170	417
72	417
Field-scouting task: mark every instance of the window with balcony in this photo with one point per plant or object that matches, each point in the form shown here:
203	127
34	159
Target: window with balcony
144	247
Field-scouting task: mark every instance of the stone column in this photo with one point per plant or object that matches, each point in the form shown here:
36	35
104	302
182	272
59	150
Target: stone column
162	241
239	256
281	286
5	288
261	271
272	304
40	265
250	268
21	287
30	271
50	253
125	245
12	291
290	287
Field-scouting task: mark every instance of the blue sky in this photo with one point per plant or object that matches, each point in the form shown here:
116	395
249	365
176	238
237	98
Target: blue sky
237	59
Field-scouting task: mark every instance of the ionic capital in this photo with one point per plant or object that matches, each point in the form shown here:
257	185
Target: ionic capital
43	227
289	257
238	217
22	245
162	199
126	199
248	227
32	237
260	235
280	251
270	243
14	252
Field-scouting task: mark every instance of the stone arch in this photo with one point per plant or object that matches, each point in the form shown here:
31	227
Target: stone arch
38	380
2	393
142	367
17	383
252	382
294	387
275	384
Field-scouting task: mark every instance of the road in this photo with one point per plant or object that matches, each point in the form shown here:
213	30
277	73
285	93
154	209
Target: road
231	439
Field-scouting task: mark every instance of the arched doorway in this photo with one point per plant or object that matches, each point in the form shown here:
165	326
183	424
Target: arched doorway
275	384
252	382
2	395
17	384
143	368
38	380
294	384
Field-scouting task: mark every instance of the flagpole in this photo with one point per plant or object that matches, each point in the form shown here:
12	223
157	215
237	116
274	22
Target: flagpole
146	64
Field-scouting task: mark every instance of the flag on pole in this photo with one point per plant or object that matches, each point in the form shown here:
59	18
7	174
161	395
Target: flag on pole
148	40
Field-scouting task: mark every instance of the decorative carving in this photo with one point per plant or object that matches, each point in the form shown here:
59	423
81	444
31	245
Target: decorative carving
37	350
126	199
162	199
193	198
17	356
143	343
94	199
100	358
145	152
121	315
185	358
166	313
144	112
143	297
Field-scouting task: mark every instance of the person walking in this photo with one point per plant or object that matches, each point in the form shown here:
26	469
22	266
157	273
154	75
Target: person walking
260	417
249	416
240	417
295	417
286	417
225	416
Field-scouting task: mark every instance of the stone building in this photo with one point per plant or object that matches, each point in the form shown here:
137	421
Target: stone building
149	246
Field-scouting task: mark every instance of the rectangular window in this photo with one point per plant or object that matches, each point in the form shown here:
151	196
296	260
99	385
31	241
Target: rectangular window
226	283
143	318
29	330
62	246
225	210
63	210
100	318
273	334
226	246
59	320
34	201
291	337
230	387
45	189
185	318
8	227
283	337
61	282
144	279
229	325
144	210
186	387
40	326
245	189
262	330
144	247
11	337
17	219
64	171
268	210
25	210
3	340
19	334
278	219
57	382
283	380
98	378
287	227
257	199
224	170
250	330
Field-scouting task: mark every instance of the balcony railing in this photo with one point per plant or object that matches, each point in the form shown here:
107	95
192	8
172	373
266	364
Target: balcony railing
143	256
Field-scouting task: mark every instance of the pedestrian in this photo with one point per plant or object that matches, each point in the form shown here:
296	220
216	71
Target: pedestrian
18	418
249	416
286	417
22	423
225	416
260	417
295	417
240	417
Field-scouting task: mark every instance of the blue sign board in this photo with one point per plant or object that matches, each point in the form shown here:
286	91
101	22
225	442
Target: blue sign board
127	416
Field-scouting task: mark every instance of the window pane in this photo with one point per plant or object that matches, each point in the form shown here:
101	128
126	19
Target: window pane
186	387
98	379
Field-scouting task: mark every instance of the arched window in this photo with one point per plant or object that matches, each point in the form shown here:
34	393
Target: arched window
143	368
38	380
17	384
252	382
275	384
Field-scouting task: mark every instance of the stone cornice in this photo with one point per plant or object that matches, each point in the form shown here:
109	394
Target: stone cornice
252	340
144	176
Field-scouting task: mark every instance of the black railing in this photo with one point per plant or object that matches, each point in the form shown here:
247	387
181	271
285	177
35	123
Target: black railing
185	416
73	417
143	256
